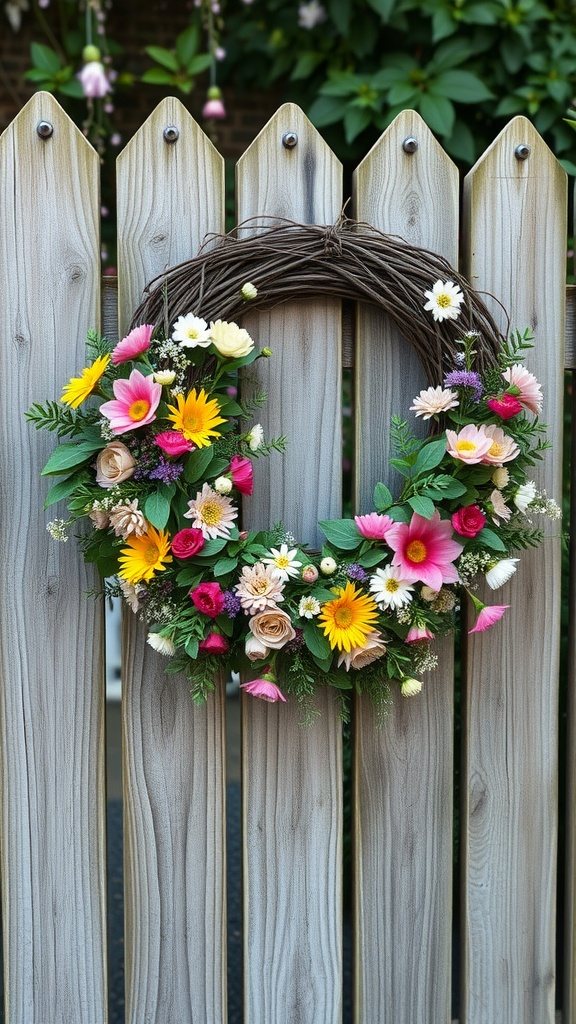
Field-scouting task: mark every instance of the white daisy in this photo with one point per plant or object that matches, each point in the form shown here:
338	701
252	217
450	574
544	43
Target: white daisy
308	607
162	644
191	332
283	562
500	572
525	496
389	589
444	300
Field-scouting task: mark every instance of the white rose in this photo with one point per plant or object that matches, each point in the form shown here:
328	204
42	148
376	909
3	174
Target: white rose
230	340
255	649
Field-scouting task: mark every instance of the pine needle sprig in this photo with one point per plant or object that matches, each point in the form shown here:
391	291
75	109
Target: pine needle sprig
403	440
56	418
513	348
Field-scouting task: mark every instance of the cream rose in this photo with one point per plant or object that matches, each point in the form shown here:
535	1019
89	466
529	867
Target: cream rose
230	340
255	649
272	627
114	464
358	657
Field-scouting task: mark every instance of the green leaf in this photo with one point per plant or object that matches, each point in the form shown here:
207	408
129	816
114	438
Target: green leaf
423	506
189	577
46	59
191	648
67	456
197	463
371	557
438	113
61	490
315	640
307	63
37	75
343	533
187	44
399	514
382	497
490	539
430	456
164	57
155	76
356	119
340	11
71	88
326	110
383	7
340	680
444	486
324	666
224	565
212	547
462	86
199	64
157	510
225	624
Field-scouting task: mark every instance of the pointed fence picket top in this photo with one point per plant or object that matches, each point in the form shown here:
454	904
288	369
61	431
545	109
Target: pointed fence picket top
292	775
515	221
405	186
170	194
51	636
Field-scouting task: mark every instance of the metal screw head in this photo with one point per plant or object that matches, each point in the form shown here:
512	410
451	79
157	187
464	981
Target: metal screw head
171	133
289	140
45	129
410	145
522	152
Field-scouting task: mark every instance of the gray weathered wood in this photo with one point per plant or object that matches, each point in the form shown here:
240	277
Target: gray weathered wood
292	775
403	772
51	635
515	250
169	197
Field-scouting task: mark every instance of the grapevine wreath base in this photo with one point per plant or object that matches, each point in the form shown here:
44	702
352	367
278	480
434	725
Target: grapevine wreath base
158	457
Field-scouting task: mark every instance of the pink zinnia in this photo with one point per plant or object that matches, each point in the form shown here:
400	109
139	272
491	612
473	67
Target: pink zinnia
469	445
529	393
133	344
424	550
373	526
173	443
265	688
134	404
242	474
488	615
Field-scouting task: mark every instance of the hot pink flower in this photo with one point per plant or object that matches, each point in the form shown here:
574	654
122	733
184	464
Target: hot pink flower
468	521
530	394
187	543
214	109
506	406
373	526
173	443
489	614
265	688
214	643
134	404
242	474
424	550
417	633
208	598
133	344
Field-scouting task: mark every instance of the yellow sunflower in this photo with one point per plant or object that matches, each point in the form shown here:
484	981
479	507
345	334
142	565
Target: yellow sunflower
79	388
348	619
196	416
144	555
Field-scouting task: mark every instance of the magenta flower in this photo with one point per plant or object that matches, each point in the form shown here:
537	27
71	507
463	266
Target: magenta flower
265	688
134	404
505	406
214	643
242	474
173	443
208	598
214	109
487	615
424	550
133	344
373	526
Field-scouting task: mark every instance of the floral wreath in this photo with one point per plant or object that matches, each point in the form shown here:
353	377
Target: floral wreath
159	450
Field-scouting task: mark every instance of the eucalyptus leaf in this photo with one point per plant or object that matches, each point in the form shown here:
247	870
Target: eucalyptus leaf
157	510
343	533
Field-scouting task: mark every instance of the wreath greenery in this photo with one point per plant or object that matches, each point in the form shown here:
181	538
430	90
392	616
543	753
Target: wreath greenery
159	452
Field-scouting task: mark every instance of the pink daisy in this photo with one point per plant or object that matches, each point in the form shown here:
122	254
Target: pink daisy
212	513
530	394
133	344
424	550
468	445
373	526
134	404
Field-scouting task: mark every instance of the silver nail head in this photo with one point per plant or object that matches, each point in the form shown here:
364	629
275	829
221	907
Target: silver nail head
289	140
522	152
171	133
410	145
45	129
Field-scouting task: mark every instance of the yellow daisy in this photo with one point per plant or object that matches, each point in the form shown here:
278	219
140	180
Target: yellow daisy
196	416
145	555
82	387
348	619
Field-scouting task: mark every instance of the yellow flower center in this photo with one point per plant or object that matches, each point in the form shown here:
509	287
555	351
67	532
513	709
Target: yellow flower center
211	513
151	553
465	446
192	333
496	450
260	586
416	551
192	422
444	300
391	586
138	409
343	617
281	562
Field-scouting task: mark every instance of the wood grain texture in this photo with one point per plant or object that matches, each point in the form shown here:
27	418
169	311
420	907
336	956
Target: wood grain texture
169	196
403	772
516	231
292	775
51	635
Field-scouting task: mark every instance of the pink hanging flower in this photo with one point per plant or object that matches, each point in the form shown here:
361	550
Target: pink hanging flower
505	406
424	550
93	80
173	443
208	598
487	614
418	633
214	643
242	474
133	344
134	404
529	393
373	526
265	687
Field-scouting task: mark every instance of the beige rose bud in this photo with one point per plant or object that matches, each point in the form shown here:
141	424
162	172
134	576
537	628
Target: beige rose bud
223	485
358	657
272	627
114	464
255	649
165	377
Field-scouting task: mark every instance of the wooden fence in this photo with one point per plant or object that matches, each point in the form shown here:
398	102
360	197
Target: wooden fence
512	231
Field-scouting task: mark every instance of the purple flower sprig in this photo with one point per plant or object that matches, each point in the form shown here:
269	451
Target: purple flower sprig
465	379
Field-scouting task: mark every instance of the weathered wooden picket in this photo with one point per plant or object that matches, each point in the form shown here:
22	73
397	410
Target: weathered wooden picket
170	195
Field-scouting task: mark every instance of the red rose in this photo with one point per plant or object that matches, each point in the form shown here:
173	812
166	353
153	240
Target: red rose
214	643
468	521
242	474
186	543
208	598
506	406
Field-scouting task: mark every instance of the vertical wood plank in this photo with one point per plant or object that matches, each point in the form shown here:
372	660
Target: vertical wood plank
292	775
569	809
516	250
51	634
402	772
169	197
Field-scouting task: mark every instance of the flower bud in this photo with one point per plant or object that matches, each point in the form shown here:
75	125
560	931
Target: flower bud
90	53
328	566
249	291
223	485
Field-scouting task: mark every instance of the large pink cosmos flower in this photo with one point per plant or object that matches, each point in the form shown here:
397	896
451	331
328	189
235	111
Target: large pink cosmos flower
133	344
134	404
424	550
530	394
468	445
373	526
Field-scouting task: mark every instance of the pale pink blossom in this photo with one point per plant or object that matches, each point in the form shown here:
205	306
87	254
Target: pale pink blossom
265	689
373	526
418	633
93	80
134	344
503	448
433	401
259	587
530	393
488	615
134	404
500	509
469	445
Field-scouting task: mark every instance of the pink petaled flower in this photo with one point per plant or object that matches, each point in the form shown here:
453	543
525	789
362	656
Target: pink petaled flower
468	445
373	526
529	392
488	615
309	573
187	543
214	643
212	513
134	404
133	344
214	109
173	443
424	550
265	688
503	448
242	474
468	521
505	406
500	509
93	80
208	598
418	633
